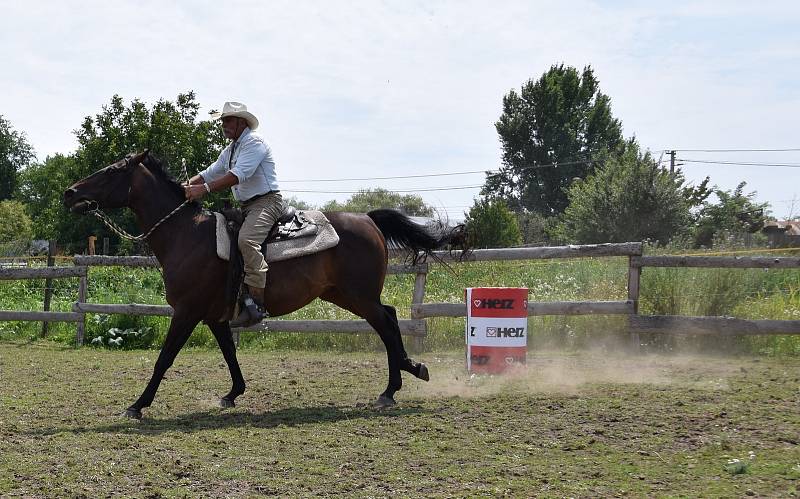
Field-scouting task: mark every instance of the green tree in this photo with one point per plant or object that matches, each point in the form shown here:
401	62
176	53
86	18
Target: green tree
490	224
15	153
371	199
169	129
536	229
734	213
41	187
628	199
297	203
15	225
562	119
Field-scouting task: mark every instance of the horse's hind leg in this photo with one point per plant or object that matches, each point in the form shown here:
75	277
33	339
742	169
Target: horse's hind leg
222	332
418	369
383	319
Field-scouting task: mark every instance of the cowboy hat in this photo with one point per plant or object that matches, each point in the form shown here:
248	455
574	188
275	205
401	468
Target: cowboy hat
238	110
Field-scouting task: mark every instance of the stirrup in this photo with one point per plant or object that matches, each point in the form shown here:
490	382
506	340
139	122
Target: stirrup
250	314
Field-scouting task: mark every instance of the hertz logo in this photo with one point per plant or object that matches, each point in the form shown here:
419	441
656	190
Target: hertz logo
494	303
505	332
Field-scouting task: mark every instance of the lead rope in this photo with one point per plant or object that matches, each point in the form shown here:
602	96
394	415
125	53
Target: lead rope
141	237
123	234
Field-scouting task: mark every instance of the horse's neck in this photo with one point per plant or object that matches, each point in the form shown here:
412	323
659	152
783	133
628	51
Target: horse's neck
174	233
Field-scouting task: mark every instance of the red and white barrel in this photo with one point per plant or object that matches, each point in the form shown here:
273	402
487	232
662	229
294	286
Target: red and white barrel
497	328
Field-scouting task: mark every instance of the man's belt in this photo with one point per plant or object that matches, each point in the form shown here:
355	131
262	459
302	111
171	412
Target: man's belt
250	200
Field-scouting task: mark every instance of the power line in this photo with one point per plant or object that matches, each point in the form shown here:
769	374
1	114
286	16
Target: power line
387	178
740	163
490	172
735	150
451	188
549	165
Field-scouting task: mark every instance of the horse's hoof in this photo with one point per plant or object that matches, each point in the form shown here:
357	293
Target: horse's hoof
132	413
384	402
226	403
423	372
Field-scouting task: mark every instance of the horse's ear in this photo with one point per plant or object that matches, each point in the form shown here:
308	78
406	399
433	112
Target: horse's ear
141	157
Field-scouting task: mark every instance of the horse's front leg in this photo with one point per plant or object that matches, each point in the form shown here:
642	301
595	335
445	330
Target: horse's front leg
222	332
180	328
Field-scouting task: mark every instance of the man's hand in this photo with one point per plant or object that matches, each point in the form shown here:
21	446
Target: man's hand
194	192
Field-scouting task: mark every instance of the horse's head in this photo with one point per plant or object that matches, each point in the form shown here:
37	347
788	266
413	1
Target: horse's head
106	188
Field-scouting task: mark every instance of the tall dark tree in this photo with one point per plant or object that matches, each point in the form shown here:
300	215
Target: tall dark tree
550	131
15	154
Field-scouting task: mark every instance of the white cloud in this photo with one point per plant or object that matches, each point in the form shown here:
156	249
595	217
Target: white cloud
354	89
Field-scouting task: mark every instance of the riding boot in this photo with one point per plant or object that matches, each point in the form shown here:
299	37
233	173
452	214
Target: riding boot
251	313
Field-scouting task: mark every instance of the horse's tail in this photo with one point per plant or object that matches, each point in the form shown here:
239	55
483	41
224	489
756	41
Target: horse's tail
419	240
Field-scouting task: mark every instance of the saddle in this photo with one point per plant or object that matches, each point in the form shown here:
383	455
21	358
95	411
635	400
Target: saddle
295	233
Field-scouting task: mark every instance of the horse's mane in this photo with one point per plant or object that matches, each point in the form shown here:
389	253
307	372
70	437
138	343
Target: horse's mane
160	170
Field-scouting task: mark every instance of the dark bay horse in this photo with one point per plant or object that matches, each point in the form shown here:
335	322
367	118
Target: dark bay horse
350	275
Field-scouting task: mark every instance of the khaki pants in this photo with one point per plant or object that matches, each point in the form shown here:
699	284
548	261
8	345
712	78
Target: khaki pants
259	217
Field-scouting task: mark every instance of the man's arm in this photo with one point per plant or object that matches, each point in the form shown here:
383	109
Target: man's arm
198	187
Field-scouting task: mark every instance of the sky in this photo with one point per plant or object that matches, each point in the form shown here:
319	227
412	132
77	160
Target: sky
367	89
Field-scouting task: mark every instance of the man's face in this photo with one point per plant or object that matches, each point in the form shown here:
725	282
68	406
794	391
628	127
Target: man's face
232	127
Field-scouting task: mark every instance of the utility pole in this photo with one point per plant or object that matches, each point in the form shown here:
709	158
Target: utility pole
672	162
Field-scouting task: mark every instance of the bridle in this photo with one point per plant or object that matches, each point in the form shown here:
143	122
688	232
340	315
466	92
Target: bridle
96	211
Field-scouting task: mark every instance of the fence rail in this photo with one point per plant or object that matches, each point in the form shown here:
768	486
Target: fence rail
536	308
411	327
723	326
730	262
416	327
544	252
42	273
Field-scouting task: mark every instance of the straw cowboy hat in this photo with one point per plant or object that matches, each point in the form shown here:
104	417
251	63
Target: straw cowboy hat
238	110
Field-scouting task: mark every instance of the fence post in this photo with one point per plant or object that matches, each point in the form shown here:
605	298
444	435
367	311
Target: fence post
634	273
82	289
90	245
417	344
48	283
105	245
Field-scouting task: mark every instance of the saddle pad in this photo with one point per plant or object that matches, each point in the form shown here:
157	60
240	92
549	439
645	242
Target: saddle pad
325	238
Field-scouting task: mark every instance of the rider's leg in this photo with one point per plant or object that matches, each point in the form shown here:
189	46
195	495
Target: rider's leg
260	215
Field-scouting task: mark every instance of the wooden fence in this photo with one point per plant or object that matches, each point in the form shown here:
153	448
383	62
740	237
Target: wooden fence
416	327
46	273
662	324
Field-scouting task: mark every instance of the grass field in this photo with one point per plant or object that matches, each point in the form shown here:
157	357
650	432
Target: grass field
581	425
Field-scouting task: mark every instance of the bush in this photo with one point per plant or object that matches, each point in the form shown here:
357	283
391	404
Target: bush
490	224
629	199
100	332
15	224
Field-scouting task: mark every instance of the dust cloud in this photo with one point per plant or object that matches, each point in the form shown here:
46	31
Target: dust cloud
567	373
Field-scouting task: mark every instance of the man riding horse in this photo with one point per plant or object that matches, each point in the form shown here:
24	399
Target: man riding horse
246	166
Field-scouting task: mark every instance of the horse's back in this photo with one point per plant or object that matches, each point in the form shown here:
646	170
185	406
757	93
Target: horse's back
355	267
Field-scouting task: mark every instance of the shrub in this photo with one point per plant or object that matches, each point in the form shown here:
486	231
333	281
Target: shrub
15	224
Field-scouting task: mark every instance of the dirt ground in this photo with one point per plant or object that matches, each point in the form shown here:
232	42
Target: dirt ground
568	425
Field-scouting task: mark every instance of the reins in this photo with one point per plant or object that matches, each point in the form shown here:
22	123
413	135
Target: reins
122	233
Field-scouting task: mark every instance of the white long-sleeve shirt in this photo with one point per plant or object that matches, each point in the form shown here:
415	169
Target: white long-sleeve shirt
252	164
